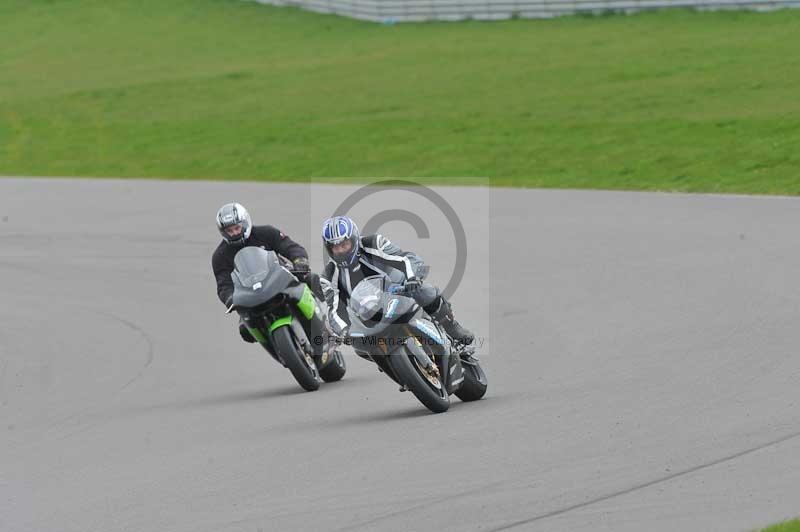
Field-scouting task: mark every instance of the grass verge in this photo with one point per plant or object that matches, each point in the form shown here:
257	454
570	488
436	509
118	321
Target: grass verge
788	526
224	89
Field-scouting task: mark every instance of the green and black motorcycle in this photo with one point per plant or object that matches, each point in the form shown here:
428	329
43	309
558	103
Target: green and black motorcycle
283	315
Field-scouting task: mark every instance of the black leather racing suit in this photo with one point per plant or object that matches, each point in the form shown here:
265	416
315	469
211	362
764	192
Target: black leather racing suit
377	256
263	236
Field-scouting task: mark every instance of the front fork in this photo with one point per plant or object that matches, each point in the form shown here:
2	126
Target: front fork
448	362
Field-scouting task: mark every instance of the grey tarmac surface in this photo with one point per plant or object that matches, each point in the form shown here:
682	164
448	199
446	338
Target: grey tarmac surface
641	350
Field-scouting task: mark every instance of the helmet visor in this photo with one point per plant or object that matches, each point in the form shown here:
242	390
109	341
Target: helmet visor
234	230
341	250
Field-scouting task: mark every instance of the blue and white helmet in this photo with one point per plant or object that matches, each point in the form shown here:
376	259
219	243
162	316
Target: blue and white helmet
336	231
234	224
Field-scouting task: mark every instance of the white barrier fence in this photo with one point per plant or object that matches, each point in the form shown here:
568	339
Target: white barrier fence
421	10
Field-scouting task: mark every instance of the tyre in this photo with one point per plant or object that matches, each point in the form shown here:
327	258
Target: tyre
416	379
474	385
301	366
334	370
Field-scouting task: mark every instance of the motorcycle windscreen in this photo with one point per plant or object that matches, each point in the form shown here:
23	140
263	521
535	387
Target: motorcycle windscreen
366	298
257	277
252	265
372	309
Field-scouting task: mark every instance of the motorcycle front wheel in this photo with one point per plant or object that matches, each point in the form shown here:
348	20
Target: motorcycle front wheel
425	385
301	365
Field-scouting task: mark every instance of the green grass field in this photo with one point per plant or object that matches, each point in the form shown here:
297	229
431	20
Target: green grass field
225	89
788	526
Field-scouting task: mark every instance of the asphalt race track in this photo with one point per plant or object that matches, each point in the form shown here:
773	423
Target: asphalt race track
641	350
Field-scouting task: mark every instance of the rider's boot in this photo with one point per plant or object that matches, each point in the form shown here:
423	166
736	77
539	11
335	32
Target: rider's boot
244	332
441	311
